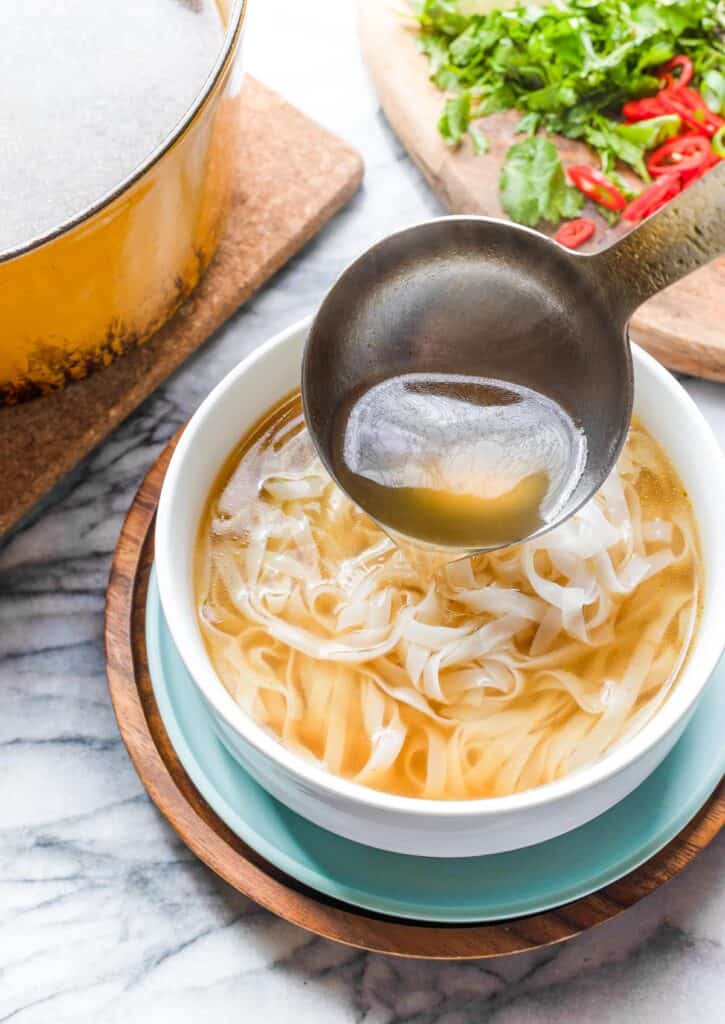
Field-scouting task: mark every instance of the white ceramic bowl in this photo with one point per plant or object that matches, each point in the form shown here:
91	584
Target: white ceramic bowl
404	825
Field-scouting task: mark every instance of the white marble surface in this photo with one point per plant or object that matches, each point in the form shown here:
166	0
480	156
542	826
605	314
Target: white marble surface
104	914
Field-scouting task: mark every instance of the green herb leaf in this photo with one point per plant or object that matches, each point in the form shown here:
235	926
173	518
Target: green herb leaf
481	144
533	186
455	119
630	142
528	125
713	89
569	66
436	49
651	132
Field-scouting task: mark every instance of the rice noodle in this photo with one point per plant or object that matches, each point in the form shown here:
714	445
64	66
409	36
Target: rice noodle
503	672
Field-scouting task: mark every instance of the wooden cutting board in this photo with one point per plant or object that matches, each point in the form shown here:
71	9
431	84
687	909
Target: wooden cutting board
684	326
293	175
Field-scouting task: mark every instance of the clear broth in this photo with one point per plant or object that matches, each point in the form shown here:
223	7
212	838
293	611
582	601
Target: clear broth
490	745
457	462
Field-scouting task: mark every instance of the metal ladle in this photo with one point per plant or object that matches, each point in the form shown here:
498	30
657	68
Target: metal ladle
488	298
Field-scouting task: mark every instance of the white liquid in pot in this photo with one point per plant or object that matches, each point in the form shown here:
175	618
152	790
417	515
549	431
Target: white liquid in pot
89	89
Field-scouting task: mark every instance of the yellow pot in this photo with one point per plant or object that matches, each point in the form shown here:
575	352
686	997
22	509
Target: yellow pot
73	300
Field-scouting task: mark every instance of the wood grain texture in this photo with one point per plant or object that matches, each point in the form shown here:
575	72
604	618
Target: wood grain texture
293	175
684	326
180	802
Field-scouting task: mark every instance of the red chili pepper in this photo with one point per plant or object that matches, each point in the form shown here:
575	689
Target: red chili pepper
693	99
686	153
702	113
689	176
652	198
670	81
642	110
692	109
575	232
597	186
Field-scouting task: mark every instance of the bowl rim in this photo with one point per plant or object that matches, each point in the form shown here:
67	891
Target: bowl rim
703	657
232	33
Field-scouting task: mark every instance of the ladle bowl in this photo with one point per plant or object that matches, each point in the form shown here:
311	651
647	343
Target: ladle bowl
481	297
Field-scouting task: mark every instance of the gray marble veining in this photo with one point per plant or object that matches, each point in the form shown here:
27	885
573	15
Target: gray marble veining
104	913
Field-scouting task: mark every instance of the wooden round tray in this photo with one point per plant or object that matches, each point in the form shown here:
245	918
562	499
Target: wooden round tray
180	802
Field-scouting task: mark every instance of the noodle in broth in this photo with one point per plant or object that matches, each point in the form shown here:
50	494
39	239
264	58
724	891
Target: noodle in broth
504	672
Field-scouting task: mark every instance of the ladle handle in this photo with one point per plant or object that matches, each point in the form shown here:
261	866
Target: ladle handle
684	235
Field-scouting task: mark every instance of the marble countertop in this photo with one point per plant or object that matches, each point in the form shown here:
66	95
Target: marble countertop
104	913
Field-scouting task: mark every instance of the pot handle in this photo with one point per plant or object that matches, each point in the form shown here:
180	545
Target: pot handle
686	234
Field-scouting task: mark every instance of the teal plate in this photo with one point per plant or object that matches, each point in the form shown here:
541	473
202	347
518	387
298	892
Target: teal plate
461	890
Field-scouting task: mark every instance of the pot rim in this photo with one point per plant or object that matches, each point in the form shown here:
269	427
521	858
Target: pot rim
232	34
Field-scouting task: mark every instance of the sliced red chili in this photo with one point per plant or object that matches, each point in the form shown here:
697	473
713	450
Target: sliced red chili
688	177
692	109
575	232
670	81
652	198
642	110
686	153
702	113
597	186
693	99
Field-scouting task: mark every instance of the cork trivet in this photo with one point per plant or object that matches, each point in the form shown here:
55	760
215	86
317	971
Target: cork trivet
293	175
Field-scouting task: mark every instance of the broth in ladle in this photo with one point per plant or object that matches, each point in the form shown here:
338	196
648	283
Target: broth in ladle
457	462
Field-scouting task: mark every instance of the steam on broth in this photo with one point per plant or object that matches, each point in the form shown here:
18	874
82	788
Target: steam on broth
503	672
